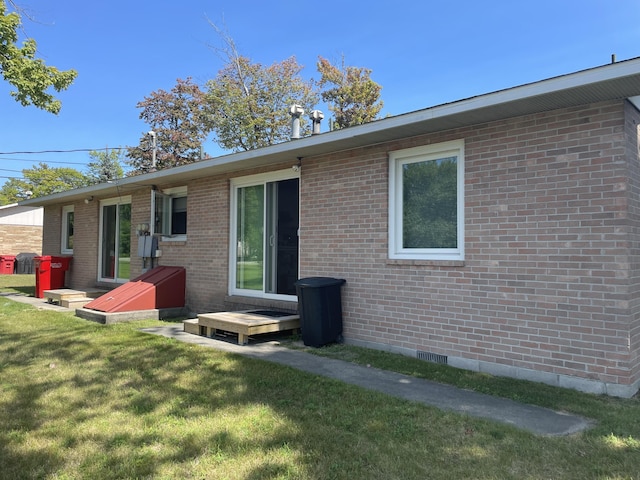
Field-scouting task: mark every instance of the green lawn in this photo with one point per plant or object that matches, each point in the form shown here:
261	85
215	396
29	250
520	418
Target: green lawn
82	400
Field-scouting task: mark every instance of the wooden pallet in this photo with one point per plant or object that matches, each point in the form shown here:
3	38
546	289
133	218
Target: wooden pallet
245	324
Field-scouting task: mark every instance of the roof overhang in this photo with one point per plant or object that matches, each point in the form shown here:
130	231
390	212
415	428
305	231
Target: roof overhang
615	81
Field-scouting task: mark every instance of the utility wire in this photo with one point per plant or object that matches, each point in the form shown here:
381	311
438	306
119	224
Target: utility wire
63	151
39	152
40	161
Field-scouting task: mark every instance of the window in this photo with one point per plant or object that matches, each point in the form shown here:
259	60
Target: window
67	229
170	208
426	202
264	235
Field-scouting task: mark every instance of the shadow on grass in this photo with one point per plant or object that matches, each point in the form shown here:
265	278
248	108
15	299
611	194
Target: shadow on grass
149	382
93	401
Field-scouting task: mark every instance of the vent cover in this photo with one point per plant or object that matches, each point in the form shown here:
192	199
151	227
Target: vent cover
432	357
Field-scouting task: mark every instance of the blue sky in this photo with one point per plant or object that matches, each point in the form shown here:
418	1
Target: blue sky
422	52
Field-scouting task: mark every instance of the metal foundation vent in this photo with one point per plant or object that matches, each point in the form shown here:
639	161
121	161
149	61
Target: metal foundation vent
432	357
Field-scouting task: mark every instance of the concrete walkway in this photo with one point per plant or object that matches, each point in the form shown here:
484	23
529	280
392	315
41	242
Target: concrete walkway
39	303
538	420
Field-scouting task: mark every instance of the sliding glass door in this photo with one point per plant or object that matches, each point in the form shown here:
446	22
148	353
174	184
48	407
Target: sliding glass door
115	240
265	220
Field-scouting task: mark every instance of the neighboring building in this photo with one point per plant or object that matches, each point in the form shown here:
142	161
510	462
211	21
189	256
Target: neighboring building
20	229
499	233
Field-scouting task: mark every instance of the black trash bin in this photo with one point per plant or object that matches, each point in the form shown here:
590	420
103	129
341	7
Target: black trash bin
24	263
320	307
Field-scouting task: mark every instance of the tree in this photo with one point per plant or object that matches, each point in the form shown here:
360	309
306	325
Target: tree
430	204
106	166
40	181
28	74
248	103
353	97
11	193
177	118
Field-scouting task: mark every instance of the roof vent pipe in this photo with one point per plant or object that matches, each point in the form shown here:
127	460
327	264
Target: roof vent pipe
316	118
296	112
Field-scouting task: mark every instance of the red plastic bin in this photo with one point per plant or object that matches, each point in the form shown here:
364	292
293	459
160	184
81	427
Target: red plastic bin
7	264
50	271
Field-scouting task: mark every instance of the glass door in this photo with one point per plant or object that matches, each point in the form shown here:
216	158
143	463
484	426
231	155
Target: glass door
265	244
249	234
115	244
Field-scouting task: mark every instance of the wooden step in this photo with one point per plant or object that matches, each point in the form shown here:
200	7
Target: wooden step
244	323
58	295
191	326
75	302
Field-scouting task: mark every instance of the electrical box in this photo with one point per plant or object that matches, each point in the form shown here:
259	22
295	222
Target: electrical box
147	246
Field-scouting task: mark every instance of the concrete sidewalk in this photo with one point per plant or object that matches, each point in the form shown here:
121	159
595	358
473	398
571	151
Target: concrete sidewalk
39	303
538	420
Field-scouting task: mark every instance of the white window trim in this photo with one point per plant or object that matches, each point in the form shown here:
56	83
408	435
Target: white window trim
422	153
171	192
248	181
65	227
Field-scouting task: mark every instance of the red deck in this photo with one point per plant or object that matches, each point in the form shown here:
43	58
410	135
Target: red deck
161	287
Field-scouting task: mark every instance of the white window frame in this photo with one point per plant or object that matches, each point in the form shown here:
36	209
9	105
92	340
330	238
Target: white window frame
167	195
420	154
64	243
248	181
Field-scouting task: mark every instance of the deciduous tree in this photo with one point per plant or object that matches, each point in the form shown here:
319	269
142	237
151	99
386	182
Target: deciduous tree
106	165
19	66
350	93
177	119
430	204
248	103
40	181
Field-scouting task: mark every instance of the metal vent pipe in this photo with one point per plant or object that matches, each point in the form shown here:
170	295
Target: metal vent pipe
296	112
316	118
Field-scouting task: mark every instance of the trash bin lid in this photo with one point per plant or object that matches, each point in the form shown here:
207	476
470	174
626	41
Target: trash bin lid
319	282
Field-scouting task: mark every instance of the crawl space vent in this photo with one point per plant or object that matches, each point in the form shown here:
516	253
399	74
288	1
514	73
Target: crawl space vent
432	357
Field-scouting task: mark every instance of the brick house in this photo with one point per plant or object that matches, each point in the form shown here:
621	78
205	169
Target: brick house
523	260
20	229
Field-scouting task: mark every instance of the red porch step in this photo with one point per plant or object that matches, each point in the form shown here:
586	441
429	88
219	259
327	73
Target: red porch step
161	287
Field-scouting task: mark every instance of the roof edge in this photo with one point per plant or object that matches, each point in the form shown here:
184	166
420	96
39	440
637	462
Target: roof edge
361	135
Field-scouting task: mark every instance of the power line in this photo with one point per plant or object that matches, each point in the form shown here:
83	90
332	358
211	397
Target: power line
31	160
75	150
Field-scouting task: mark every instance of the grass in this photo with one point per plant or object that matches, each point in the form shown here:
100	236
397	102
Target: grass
82	400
